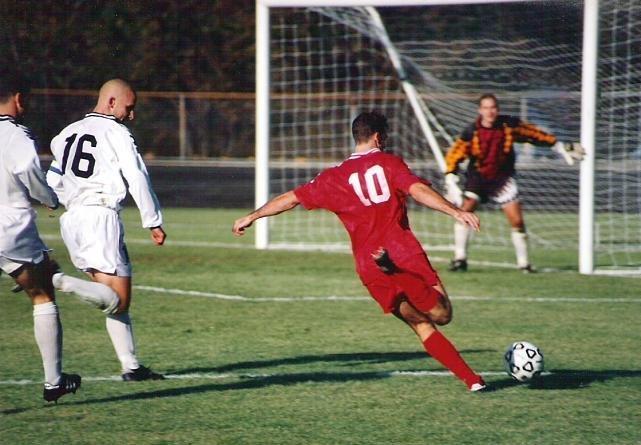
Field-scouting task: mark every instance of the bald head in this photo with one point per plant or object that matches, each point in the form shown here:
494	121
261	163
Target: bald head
116	98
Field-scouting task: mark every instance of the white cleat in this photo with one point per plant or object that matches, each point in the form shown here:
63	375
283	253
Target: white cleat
476	387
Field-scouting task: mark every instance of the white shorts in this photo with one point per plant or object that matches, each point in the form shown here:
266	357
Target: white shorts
95	238
9	266
20	242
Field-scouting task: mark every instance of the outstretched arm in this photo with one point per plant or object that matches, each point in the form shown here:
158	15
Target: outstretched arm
428	197
279	204
571	151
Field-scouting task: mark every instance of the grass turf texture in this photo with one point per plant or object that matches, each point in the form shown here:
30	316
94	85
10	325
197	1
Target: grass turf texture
320	372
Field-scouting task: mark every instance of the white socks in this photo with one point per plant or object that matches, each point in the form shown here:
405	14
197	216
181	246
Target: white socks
96	294
122	337
462	235
118	325
519	239
48	333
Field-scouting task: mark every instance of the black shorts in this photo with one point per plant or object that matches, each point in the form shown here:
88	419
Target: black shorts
500	191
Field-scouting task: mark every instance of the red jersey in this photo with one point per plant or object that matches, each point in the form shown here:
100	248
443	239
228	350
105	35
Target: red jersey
368	193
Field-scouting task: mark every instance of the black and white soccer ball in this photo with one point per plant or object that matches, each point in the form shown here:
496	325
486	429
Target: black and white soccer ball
523	361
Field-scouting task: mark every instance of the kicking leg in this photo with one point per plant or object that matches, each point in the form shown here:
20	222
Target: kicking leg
96	294
437	345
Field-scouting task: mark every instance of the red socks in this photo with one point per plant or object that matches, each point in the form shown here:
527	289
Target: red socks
442	350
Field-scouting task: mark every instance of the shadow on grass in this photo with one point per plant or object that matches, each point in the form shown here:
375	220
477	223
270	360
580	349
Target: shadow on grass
561	379
345	359
566	379
245	383
557	380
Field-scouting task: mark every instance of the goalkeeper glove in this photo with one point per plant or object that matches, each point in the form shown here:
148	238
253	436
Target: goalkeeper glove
453	192
570	151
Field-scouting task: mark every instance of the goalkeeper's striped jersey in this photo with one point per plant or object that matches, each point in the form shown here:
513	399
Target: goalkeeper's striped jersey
368	192
92	156
491	150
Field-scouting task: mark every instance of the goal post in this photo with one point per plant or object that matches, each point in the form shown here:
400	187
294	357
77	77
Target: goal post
422	113
320	63
262	87
588	128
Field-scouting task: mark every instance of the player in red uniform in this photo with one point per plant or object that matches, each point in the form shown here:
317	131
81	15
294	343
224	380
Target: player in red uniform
368	192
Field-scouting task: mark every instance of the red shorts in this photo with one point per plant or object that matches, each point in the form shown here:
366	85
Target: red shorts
415	282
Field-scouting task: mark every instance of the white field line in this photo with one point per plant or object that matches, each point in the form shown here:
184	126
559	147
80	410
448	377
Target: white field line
170	242
216	376
634	273
293	247
288	299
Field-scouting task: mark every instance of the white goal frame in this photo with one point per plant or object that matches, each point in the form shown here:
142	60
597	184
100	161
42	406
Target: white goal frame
588	107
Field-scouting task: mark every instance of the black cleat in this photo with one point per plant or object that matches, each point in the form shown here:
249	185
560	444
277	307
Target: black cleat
528	269
384	262
17	289
54	267
458	266
69	383
140	374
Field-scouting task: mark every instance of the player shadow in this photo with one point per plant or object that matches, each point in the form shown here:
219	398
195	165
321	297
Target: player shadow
246	383
343	359
7	412
557	380
561	379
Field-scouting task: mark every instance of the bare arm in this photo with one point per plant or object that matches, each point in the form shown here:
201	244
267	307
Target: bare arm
428	197
279	204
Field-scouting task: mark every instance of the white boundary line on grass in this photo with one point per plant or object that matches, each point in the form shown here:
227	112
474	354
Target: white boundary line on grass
345	250
215	376
218	296
213	244
169	242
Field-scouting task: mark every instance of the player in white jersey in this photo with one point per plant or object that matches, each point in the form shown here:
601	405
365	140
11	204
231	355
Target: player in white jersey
23	255
92	156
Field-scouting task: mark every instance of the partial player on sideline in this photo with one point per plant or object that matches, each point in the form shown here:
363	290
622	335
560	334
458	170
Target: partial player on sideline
368	193
92	156
23	255
491	176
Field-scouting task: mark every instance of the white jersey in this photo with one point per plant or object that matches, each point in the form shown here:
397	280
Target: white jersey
20	178
92	156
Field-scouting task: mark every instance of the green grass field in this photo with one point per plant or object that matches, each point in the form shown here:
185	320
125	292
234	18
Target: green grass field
247	368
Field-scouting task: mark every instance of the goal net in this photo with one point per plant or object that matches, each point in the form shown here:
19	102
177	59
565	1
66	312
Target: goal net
617	198
327	65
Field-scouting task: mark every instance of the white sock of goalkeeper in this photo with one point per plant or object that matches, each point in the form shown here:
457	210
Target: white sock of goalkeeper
462	235
519	239
96	294
122	337
48	332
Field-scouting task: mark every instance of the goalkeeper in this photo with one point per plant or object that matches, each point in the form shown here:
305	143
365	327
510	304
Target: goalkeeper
488	143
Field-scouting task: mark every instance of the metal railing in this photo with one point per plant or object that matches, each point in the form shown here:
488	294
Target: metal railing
183	125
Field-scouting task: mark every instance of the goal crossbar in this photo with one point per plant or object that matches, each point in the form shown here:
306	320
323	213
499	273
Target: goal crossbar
422	102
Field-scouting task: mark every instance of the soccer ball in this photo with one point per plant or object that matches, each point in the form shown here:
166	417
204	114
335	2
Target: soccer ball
523	361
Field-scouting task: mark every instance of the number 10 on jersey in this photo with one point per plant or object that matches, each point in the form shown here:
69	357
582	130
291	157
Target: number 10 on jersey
373	176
